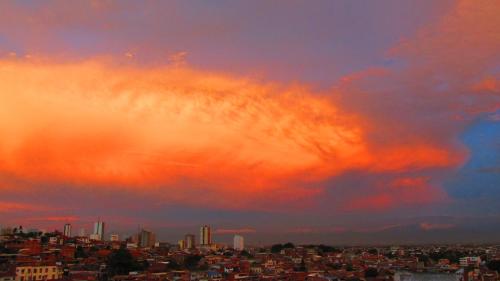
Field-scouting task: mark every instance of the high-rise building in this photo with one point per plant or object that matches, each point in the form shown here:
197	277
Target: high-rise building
190	241
82	232
182	244
67	230
114	238
146	239
99	230
239	243
205	235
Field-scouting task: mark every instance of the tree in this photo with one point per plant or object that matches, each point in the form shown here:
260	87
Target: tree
121	262
371	272
191	261
245	253
349	267
44	239
288	245
5	250
80	252
276	248
334	266
302	267
327	249
173	265
494	265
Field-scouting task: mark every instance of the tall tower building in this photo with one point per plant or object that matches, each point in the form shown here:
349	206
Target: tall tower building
99	230
205	235
239	243
189	241
182	244
146	239
67	230
82	232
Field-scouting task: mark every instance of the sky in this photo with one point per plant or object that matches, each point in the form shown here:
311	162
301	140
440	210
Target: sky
336	122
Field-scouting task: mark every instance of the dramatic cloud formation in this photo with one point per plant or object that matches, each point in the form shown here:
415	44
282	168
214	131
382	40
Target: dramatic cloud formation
178	131
91	124
81	115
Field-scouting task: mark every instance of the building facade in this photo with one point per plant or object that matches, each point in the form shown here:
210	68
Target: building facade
146	239
99	230
239	243
114	238
67	230
205	235
190	241
38	272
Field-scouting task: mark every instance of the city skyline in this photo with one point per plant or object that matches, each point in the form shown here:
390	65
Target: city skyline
333	122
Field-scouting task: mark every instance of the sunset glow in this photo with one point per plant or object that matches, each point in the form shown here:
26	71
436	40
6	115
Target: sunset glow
217	118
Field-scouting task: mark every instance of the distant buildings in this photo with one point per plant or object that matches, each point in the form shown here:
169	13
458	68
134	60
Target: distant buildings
146	239
190	242
469	261
205	236
114	238
182	244
67	230
238	243
38	272
82	232
98	231
6	231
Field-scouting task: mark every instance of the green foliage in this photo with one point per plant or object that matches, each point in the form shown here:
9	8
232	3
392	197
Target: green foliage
302	267
80	252
173	265
276	248
327	249
452	256
334	266
494	265
121	262
44	239
246	254
423	258
371	272
191	261
4	250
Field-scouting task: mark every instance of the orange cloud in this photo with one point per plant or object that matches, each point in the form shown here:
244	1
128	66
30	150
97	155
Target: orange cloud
179	133
234	231
90	123
431	226
56	219
8	207
488	84
399	192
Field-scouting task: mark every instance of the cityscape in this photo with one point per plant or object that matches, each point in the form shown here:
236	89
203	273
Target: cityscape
250	140
60	255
